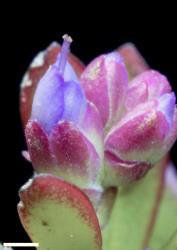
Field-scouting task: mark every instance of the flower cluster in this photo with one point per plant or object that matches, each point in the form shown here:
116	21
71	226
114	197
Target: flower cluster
96	127
100	127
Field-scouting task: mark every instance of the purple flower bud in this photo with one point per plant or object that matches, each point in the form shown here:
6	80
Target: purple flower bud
64	134
74	102
105	82
58	95
144	87
48	102
147	129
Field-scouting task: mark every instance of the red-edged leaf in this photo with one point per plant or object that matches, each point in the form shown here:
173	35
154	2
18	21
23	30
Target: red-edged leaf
58	215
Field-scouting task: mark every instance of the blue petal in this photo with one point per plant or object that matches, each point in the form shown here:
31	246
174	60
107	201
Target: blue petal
167	106
69	73
74	102
48	102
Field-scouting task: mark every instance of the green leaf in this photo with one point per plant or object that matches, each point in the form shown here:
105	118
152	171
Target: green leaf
165	230
133	214
58	215
172	244
105	206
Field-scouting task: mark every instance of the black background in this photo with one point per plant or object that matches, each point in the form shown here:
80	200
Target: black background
153	32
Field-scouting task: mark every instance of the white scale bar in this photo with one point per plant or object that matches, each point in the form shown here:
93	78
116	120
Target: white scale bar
21	244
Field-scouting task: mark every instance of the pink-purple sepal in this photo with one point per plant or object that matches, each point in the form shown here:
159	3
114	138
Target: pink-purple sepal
105	82
65	152
120	172
142	133
146	86
142	137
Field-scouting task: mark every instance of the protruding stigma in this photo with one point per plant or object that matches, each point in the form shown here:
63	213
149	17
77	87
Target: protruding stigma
63	55
67	38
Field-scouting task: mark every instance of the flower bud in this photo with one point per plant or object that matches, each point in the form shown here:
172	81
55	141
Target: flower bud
105	82
146	86
58	140
143	136
36	70
64	100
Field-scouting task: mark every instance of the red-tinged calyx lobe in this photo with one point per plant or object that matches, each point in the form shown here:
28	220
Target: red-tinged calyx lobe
105	82
48	202
66	153
134	61
76	156
36	70
121	172
38	146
